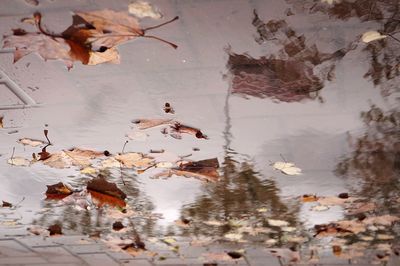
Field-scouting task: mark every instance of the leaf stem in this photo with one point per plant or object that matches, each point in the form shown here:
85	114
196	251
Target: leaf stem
162	40
160	25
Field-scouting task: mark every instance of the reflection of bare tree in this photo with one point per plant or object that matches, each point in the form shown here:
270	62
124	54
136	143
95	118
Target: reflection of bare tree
78	220
383	54
238	194
376	155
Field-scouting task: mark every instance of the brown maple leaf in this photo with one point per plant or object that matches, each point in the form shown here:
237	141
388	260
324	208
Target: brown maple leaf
91	39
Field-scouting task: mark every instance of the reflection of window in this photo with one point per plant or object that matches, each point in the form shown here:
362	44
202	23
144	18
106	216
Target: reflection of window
12	96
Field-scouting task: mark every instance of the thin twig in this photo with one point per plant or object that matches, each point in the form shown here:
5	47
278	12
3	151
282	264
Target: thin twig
12	155
394	38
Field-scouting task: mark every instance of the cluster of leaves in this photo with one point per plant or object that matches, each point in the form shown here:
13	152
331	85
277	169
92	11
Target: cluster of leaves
91	39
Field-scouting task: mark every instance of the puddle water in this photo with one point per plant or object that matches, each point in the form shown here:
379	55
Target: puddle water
294	83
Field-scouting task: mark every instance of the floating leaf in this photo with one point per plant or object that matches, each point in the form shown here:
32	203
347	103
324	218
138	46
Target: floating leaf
143	9
320	208
1	121
19	161
179	128
6	204
117	226
233	236
287	168
89	171
278	223
149	123
100	185
58	191
309	198
370	36
55	230
31	142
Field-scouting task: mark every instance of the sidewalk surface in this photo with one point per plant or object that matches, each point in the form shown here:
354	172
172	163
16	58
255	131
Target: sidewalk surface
82	250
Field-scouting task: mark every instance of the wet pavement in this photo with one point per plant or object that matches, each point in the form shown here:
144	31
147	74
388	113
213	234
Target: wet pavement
289	81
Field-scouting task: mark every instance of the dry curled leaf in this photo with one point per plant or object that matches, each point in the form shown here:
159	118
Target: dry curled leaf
55	229
179	128
1	121
91	39
58	191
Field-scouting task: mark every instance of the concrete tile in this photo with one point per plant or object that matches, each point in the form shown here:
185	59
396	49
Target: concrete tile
136	262
27	260
57	255
98	259
11	248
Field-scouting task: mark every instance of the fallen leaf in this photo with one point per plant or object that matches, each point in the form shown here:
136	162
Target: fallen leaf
149	123
58	191
91	39
234	254
372	35
100	185
262	210
320	208
31	142
101	199
361	207
55	230
309	198
214	223
143	9
19	161
1	121
287	168
384	237
58	160
81	157
233	236
278	223
6	204
169	240
381	220
133	159
89	171
179	128
117	226
332	200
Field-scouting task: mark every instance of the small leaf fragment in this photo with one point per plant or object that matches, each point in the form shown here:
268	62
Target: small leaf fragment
278	223
31	142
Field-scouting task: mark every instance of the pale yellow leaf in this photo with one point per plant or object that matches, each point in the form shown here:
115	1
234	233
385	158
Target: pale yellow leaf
287	168
31	142
19	161
372	35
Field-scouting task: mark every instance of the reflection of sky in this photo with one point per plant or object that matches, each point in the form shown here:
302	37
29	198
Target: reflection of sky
92	107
